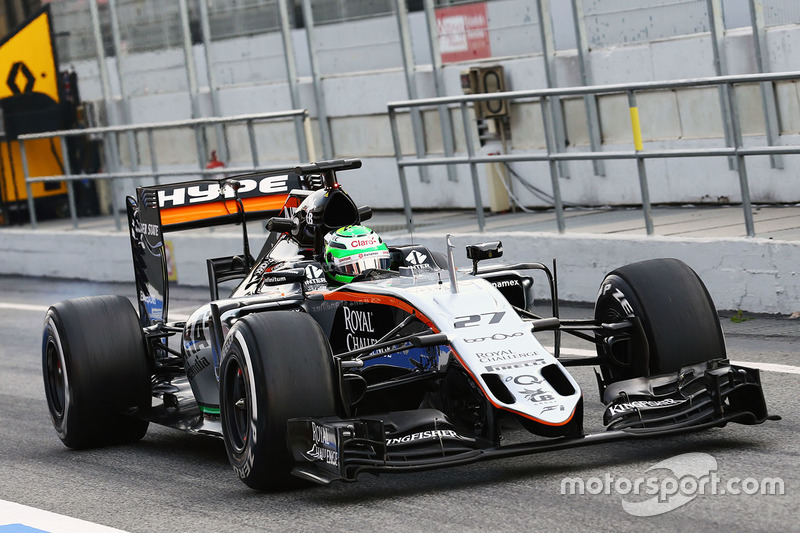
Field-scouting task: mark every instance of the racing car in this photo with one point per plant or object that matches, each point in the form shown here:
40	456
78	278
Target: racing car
331	353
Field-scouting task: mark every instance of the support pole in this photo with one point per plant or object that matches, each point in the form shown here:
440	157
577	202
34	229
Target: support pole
319	95
448	142
291	72
744	185
590	100
191	78
126	101
417	126
640	167
714	8
110	141
558	203
767	88
213	86
548	52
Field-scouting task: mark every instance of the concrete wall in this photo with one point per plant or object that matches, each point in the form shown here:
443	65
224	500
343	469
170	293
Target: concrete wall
360	62
754	275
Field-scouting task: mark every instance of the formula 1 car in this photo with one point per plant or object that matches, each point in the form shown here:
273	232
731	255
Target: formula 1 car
406	365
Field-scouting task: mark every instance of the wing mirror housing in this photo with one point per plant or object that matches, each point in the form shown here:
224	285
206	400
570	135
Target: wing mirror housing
484	250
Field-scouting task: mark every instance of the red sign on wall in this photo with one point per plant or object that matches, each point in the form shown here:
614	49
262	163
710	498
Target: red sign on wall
463	32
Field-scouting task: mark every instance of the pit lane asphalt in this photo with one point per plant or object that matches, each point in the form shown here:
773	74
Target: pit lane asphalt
171	481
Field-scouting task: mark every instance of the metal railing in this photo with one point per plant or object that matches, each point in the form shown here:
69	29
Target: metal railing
552	156
298	116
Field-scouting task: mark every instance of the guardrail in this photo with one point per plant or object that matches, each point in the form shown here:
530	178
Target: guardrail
550	155
302	134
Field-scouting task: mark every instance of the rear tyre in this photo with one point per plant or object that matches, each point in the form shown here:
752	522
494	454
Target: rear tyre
675	321
275	366
95	371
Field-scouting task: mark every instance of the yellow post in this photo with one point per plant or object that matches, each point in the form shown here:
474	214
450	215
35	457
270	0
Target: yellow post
637	129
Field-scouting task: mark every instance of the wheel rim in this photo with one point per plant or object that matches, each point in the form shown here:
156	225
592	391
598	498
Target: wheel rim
237	406
56	379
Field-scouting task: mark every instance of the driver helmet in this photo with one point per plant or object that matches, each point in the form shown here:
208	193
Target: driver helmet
352	250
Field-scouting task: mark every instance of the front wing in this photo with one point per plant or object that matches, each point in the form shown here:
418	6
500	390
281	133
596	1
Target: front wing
329	449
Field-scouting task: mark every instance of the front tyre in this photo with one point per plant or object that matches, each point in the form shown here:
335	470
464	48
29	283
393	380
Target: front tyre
275	366
95	371
674	320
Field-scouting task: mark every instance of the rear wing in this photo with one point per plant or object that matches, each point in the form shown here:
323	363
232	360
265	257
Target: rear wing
159	209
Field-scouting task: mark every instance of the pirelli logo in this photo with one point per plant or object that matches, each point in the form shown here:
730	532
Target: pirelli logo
212	192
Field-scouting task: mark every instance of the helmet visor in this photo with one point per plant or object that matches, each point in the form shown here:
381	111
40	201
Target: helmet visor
357	263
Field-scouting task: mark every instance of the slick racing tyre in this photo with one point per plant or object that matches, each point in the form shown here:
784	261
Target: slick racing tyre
95	371
675	323
275	366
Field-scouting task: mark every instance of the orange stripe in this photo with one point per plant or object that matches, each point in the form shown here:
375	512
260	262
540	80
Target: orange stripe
380	299
395	302
191	213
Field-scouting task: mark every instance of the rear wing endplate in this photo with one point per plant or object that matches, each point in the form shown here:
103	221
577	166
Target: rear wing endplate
159	209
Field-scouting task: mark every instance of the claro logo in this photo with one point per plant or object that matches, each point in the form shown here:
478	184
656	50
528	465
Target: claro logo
210	192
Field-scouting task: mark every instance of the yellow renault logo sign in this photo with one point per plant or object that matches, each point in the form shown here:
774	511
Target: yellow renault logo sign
13	84
26	61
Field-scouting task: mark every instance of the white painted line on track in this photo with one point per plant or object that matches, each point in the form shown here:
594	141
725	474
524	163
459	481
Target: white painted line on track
767	367
21	518
24	307
577	352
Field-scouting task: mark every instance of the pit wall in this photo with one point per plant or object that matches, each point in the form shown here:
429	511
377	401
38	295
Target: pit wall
748	274
356	105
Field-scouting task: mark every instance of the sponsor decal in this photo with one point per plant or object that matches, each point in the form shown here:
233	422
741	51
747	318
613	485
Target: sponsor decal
153	305
516	364
210	192
495	337
416	260
537	395
324	447
551	408
369	241
506	355
642	404
356	323
422	436
260	269
201	364
525	380
505	283
314	277
196	335
150	230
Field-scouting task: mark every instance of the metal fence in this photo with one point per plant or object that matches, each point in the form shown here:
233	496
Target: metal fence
449	31
546	97
299	118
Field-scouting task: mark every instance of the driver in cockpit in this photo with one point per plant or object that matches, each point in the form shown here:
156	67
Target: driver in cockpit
352	251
